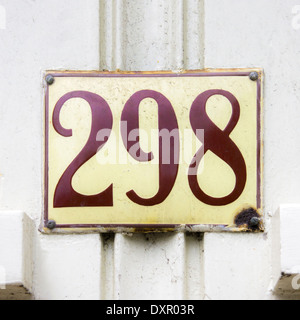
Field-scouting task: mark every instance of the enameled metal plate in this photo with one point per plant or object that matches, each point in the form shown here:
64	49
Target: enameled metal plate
153	151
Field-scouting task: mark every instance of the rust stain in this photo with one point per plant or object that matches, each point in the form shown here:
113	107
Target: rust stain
243	219
153	230
167	72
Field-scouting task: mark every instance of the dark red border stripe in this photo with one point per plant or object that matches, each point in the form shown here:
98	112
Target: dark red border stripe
145	75
259	145
114	226
46	188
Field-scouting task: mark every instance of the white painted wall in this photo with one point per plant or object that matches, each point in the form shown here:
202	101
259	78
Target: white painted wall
148	35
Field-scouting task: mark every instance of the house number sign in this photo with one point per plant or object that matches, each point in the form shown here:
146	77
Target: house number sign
153	151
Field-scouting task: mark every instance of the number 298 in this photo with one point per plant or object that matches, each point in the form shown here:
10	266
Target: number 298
216	140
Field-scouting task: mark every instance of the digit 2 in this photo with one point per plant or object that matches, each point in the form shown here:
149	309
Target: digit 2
65	195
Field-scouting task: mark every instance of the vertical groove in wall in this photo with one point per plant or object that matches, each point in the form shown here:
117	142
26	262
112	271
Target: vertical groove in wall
185	33
176	45
117	256
112	34
120	33
104	30
103	277
201	271
107	267
194	267
182	253
203	34
194	42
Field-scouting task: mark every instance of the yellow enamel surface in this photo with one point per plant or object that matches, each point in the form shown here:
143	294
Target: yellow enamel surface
216	178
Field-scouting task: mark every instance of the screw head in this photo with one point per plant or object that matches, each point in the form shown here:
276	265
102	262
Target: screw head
254	76
51	224
50	79
254	222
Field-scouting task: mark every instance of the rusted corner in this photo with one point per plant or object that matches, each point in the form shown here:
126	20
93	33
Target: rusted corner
249	219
